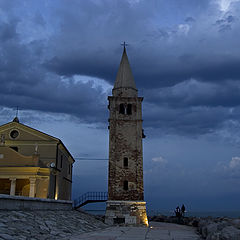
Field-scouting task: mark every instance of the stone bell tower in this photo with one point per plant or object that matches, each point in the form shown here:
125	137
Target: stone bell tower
125	203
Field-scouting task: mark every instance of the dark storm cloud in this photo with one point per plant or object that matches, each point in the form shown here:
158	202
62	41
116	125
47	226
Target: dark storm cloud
90	66
193	93
189	20
26	84
225	24
157	53
185	121
192	107
76	99
170	45
8	30
157	73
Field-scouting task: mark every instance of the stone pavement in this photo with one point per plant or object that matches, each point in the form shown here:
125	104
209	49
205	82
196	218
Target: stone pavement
156	231
46	225
74	225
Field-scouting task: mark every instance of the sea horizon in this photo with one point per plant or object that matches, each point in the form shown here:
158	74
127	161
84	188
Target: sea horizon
195	213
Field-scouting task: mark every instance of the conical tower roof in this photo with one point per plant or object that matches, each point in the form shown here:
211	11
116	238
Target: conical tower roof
124	79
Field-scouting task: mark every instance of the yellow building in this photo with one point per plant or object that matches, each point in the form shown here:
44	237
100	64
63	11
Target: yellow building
33	163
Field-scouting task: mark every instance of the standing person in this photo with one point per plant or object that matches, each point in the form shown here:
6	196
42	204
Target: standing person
183	209
178	213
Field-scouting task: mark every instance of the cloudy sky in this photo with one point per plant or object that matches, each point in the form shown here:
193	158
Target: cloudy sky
58	63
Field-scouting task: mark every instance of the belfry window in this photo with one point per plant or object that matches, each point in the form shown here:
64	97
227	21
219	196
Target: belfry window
125	185
125	109
129	109
122	109
125	162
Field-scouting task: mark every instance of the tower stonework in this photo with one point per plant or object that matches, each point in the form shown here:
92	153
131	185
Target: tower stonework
125	203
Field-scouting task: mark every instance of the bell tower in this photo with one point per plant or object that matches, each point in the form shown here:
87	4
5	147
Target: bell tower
125	203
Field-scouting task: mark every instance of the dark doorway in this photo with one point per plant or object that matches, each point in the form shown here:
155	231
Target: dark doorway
119	220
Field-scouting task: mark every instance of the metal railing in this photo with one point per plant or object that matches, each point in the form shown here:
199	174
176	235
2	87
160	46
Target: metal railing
90	197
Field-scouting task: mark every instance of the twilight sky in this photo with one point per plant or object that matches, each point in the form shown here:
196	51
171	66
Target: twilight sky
58	63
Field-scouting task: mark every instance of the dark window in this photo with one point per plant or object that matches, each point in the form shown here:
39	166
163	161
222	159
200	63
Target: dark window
125	162
125	185
61	160
122	109
129	109
14	148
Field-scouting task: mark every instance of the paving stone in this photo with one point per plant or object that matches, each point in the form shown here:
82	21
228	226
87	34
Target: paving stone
160	231
22	238
6	236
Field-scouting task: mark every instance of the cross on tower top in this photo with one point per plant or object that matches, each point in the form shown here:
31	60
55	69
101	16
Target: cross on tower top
124	44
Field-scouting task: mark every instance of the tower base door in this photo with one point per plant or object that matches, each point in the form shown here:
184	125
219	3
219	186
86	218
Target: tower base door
126	213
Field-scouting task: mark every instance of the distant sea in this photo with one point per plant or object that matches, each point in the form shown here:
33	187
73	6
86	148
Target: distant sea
231	214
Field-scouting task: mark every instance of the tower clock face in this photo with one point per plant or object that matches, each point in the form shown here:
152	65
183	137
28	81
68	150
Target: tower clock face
14	134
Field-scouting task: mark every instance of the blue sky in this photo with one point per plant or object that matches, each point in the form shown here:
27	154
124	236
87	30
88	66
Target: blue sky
58	63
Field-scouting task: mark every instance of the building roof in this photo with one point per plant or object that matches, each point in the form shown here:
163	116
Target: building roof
45	135
124	77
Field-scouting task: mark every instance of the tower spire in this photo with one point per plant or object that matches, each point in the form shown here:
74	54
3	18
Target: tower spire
124	83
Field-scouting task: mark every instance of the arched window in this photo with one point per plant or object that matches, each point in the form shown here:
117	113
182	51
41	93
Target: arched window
122	109
129	109
125	185
125	162
125	109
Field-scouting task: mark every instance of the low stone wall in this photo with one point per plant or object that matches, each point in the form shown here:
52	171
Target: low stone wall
26	203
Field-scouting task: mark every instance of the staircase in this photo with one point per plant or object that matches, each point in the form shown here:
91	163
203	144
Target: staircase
90	197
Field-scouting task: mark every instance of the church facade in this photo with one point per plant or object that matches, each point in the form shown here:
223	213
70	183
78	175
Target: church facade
33	163
125	203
